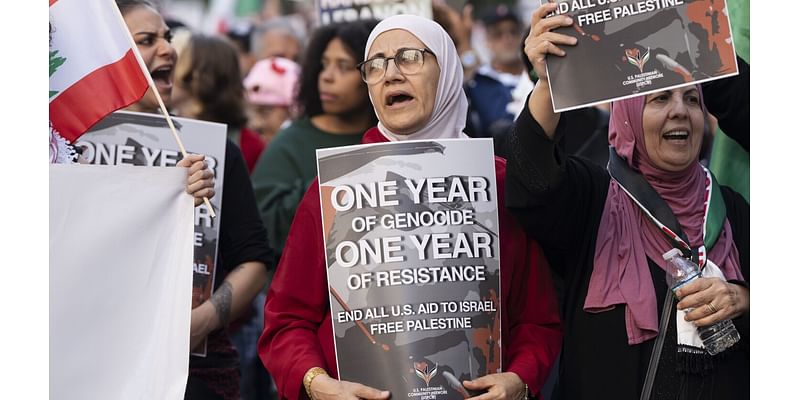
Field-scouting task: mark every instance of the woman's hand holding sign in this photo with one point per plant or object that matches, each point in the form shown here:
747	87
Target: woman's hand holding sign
539	43
500	386
200	181
324	387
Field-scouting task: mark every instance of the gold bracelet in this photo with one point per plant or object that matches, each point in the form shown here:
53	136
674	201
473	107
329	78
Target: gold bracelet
309	376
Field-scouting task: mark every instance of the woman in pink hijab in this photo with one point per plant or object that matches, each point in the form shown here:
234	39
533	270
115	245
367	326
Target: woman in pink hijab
605	230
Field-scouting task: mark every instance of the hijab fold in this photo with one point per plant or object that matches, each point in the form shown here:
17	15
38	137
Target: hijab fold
450	108
626	237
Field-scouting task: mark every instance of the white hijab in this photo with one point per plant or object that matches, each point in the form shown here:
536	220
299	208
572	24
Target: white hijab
450	109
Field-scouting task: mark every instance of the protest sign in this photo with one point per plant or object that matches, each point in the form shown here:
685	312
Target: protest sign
120	247
634	47
129	138
411	238
335	11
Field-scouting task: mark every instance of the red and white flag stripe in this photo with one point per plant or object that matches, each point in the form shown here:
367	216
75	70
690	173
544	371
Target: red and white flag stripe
100	73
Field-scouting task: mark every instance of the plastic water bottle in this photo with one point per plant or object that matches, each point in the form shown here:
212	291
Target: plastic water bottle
680	271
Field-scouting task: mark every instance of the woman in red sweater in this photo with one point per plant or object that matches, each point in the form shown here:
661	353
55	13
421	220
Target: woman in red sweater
417	96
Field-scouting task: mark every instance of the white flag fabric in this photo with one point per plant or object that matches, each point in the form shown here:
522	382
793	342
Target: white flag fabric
120	282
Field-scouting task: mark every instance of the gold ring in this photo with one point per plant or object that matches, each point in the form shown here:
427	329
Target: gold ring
711	308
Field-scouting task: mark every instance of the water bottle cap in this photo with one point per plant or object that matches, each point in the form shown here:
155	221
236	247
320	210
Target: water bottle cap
671	253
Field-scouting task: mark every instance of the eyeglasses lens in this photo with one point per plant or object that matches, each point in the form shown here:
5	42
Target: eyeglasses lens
408	61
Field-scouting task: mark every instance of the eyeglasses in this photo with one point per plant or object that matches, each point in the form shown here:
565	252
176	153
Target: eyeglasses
408	61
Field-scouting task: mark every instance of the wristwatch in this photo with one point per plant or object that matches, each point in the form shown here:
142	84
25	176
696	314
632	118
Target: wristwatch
469	59
309	376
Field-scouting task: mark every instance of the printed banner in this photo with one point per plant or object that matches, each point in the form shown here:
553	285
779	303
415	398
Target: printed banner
129	138
411	239
335	11
634	47
120	249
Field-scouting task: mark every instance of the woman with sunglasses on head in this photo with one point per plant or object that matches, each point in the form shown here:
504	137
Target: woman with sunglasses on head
415	81
611	226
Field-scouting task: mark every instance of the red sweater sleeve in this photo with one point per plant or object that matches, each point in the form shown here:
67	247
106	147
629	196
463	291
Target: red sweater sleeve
297	303
535	335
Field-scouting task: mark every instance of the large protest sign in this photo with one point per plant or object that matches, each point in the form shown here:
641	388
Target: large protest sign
633	47
120	284
129	138
335	11
411	238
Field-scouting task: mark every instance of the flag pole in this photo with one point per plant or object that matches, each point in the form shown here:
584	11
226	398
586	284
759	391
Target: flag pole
152	86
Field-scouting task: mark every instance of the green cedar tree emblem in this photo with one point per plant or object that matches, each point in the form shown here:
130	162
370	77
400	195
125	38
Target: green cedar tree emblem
55	62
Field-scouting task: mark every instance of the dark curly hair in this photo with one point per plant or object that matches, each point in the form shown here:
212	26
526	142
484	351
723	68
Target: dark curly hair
209	71
354	35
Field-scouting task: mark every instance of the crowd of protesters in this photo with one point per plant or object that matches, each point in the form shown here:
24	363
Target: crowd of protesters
286	88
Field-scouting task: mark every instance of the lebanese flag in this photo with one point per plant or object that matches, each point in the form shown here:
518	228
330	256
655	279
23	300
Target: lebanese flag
93	68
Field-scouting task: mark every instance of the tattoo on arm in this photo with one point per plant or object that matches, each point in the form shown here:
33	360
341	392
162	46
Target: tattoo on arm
221	299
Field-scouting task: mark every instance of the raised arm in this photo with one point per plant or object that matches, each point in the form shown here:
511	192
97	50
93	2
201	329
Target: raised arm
540	43
552	196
